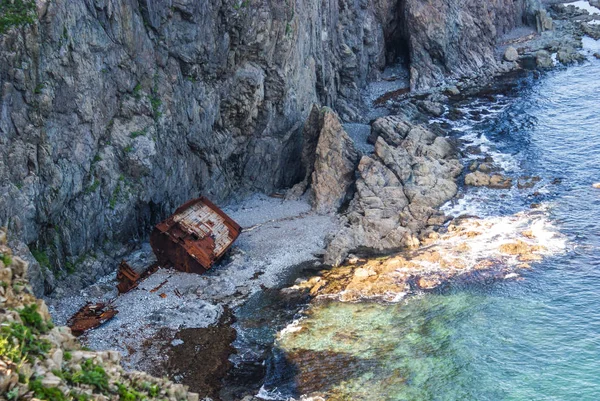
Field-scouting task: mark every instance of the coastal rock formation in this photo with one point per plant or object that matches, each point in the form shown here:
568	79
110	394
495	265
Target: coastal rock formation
410	174
493	247
454	38
330	159
114	113
335	162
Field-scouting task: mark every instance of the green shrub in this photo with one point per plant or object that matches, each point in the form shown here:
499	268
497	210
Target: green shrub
6	259
16	13
92	188
90	374
136	91
32	319
41	257
46	393
18	343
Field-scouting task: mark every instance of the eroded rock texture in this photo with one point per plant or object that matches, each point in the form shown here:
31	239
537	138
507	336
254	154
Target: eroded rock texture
453	38
398	190
114	112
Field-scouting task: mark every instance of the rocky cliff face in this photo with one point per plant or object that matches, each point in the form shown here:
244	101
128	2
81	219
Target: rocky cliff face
450	38
113	112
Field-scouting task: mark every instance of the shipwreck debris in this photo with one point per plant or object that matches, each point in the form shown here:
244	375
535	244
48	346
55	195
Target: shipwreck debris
91	316
129	278
194	237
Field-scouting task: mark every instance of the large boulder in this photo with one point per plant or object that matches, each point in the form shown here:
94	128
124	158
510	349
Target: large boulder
511	54
398	190
335	162
329	158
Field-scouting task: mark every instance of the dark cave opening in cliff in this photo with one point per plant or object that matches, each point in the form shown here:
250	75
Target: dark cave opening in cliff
397	49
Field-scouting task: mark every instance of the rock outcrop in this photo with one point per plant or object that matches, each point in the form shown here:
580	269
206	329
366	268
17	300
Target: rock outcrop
114	113
331	159
398	189
454	38
40	361
335	163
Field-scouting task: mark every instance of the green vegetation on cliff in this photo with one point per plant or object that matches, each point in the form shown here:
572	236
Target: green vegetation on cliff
38	360
16	13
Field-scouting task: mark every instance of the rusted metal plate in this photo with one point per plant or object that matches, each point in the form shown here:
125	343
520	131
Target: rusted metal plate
129	278
91	316
194	237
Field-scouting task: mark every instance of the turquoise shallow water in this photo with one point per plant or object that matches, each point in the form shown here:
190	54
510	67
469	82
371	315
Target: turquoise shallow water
532	339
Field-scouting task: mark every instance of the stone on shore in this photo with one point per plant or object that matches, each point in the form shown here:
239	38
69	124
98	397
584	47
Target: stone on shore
481	179
511	54
543	59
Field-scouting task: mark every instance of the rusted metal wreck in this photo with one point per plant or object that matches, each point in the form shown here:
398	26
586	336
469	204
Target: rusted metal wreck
91	316
194	237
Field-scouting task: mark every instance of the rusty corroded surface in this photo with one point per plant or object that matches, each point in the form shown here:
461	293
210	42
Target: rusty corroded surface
91	316
194	237
129	278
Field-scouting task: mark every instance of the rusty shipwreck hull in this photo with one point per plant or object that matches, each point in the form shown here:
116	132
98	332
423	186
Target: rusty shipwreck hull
196	236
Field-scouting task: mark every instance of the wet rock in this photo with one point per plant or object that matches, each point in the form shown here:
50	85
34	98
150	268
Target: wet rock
477	179
543	59
591	30
597	55
500	182
452	91
569	55
511	54
481	179
527	182
433	108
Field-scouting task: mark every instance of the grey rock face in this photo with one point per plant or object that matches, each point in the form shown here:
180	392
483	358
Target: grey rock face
113	113
398	189
335	162
455	38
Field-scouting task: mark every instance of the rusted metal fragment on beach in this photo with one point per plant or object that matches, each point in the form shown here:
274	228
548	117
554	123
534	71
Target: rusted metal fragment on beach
91	316
158	287
194	237
129	278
